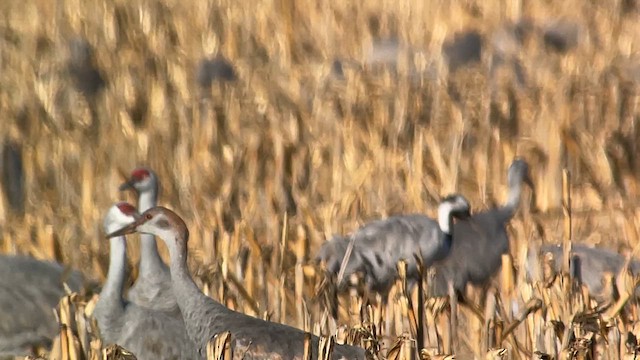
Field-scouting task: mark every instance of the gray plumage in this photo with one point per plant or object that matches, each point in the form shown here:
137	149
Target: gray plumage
29	291
480	241
379	245
152	288
594	263
147	333
252	338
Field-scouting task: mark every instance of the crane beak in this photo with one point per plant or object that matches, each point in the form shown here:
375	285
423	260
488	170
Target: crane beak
129	229
129	184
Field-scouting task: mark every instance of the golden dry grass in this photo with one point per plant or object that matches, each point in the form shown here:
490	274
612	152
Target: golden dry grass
273	164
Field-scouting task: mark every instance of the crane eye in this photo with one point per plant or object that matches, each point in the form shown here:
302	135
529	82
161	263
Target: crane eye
148	216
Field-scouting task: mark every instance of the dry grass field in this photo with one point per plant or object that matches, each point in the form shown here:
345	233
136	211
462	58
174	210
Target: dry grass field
267	166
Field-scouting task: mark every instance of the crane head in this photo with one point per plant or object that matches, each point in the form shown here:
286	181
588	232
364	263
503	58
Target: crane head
519	173
119	215
141	179
158	221
457	205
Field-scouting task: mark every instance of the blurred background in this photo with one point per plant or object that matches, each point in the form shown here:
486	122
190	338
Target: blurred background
273	124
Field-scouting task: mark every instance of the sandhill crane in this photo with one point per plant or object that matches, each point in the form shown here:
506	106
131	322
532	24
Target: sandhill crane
152	289
29	291
147	333
480	241
204	317
594	264
379	245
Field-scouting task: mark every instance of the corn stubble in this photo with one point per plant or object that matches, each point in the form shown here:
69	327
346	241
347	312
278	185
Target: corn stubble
265	168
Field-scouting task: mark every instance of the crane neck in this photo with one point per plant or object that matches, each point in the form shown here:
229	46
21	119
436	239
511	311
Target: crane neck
189	297
445	220
513	198
178	256
114	284
150	260
147	199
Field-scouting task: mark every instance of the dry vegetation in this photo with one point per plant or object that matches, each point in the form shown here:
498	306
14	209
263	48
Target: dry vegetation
265	168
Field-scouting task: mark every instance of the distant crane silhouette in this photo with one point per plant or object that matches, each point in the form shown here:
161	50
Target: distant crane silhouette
379	245
594	264
480	241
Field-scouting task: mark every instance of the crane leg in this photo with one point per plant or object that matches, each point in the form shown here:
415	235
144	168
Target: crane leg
453	325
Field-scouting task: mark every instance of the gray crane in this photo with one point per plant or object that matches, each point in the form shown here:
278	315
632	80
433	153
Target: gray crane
204	317
480	241
594	263
147	333
29	291
379	245
152	289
